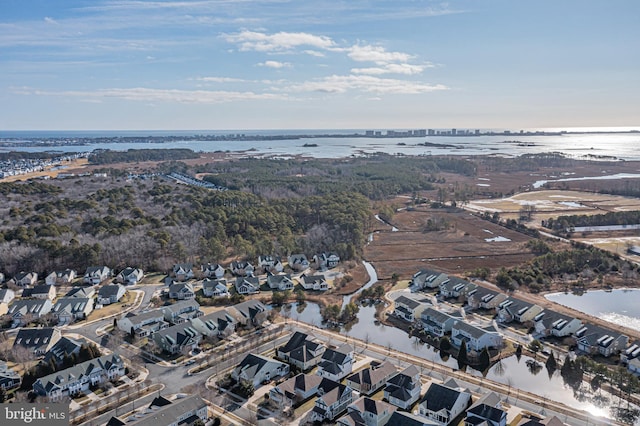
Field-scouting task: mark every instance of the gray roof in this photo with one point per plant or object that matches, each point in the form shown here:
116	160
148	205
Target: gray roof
63	347
177	334
169	414
71	304
439	397
29	306
109	290
408	302
57	379
35	337
400	418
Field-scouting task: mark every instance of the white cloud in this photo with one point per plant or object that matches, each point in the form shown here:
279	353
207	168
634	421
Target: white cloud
221	79
366	83
275	64
49	20
278	42
376	54
405	69
315	53
156	95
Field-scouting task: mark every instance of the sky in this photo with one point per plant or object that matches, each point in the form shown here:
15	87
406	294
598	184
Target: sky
323	64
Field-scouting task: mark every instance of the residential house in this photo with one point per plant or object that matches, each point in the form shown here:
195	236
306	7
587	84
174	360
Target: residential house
26	310
242	268
25	279
182	271
476	338
409	309
326	260
438	322
279	282
183	311
80	377
333	399
130	276
7	295
9	378
40	291
298	262
61	277
428	279
37	340
70	309
633	351
96	274
634	366
258	369
403	389
181	291
301	351
456	287
213	271
268	263
81	292
295	390
367	412
178	338
183	412
370	379
219	324
485	298
442	403
247	285
314	282
529	419
336	363
593	340
487	411
250	313
143	323
215	287
549	323
514	309
64	348
400	418
111	293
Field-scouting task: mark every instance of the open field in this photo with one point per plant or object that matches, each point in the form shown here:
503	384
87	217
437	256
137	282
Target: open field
468	243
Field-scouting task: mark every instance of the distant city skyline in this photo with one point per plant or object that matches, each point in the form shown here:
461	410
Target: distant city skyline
278	64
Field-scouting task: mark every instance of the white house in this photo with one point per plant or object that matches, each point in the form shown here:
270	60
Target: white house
143	323
182	311
61	277
258	369
111	293
428	279
24	311
487	410
294	390
182	271
69	309
437	322
181	291
301	351
298	262
213	270
476	338
403	389
242	268
40	291
279	282
268	263
177	338
409	309
247	285
7	295
130	276
336	363
367	412
219	324
593	339
314	282
96	274
370	379
326	260
333	399
444	402
25	279
215	287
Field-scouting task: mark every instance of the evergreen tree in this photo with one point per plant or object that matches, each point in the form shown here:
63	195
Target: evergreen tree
551	364
485	360
463	359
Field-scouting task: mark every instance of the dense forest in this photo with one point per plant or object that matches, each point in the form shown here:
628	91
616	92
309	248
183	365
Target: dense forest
565	223
105	156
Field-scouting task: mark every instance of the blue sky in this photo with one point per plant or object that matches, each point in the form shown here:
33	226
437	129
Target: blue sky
352	64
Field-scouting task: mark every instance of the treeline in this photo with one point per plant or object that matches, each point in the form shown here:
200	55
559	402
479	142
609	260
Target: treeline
565	223
136	155
30	188
20	155
527	162
537	275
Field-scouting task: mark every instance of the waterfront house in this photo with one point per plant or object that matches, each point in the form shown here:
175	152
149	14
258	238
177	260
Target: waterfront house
213	270
403	389
336	363
409	309
550	323
181	291
485	298
182	271
437	322
295	390
37	340
215	287
279	282
476	338
593	339
367	412
298	262
514	309
633	351
486	411
22	312
370	379
80	377
250	313
96	274
9	378
247	285
177	339
130	276
302	351
258	370
333	399
314	282
442	403
111	293
69	309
